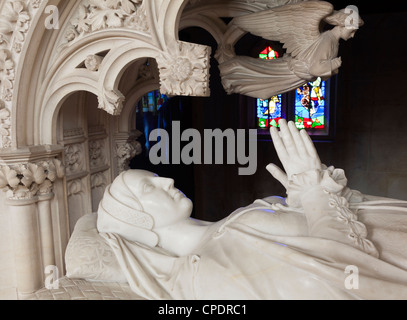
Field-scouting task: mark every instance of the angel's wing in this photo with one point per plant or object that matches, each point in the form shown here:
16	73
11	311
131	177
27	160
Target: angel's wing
276	3
295	25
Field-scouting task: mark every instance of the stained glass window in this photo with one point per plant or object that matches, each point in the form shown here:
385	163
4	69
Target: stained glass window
269	112
308	106
268	54
150	109
153	101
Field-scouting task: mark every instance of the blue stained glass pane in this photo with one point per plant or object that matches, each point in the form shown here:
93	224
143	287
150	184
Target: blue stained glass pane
310	105
269	111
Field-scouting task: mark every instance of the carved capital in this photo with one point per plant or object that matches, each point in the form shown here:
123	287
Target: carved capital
184	70
27	180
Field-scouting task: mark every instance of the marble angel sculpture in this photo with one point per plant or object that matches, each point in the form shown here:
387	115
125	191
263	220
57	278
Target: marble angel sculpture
310	53
301	247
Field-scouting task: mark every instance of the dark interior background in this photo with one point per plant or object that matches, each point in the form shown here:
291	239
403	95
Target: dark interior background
370	137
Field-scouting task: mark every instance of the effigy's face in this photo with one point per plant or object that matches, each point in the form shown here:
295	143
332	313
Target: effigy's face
160	198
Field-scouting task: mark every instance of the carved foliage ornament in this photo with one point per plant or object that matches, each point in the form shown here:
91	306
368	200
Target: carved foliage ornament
14	24
125	152
96	153
94	15
111	101
15	21
73	158
24	181
5	125
184	70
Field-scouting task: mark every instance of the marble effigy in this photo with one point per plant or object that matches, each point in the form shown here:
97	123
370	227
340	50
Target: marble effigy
298	247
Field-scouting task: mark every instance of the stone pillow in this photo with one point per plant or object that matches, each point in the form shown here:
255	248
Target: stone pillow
88	256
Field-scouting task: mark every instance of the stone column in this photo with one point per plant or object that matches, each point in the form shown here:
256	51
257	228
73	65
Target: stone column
28	189
46	230
53	170
27	253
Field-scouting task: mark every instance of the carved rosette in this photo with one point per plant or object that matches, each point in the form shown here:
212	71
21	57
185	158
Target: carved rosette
25	181
184	70
95	15
93	62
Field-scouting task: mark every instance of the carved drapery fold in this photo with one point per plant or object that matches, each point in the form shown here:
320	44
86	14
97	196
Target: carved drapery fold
333	183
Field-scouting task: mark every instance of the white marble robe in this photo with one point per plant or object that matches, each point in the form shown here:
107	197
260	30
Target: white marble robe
256	253
266	78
